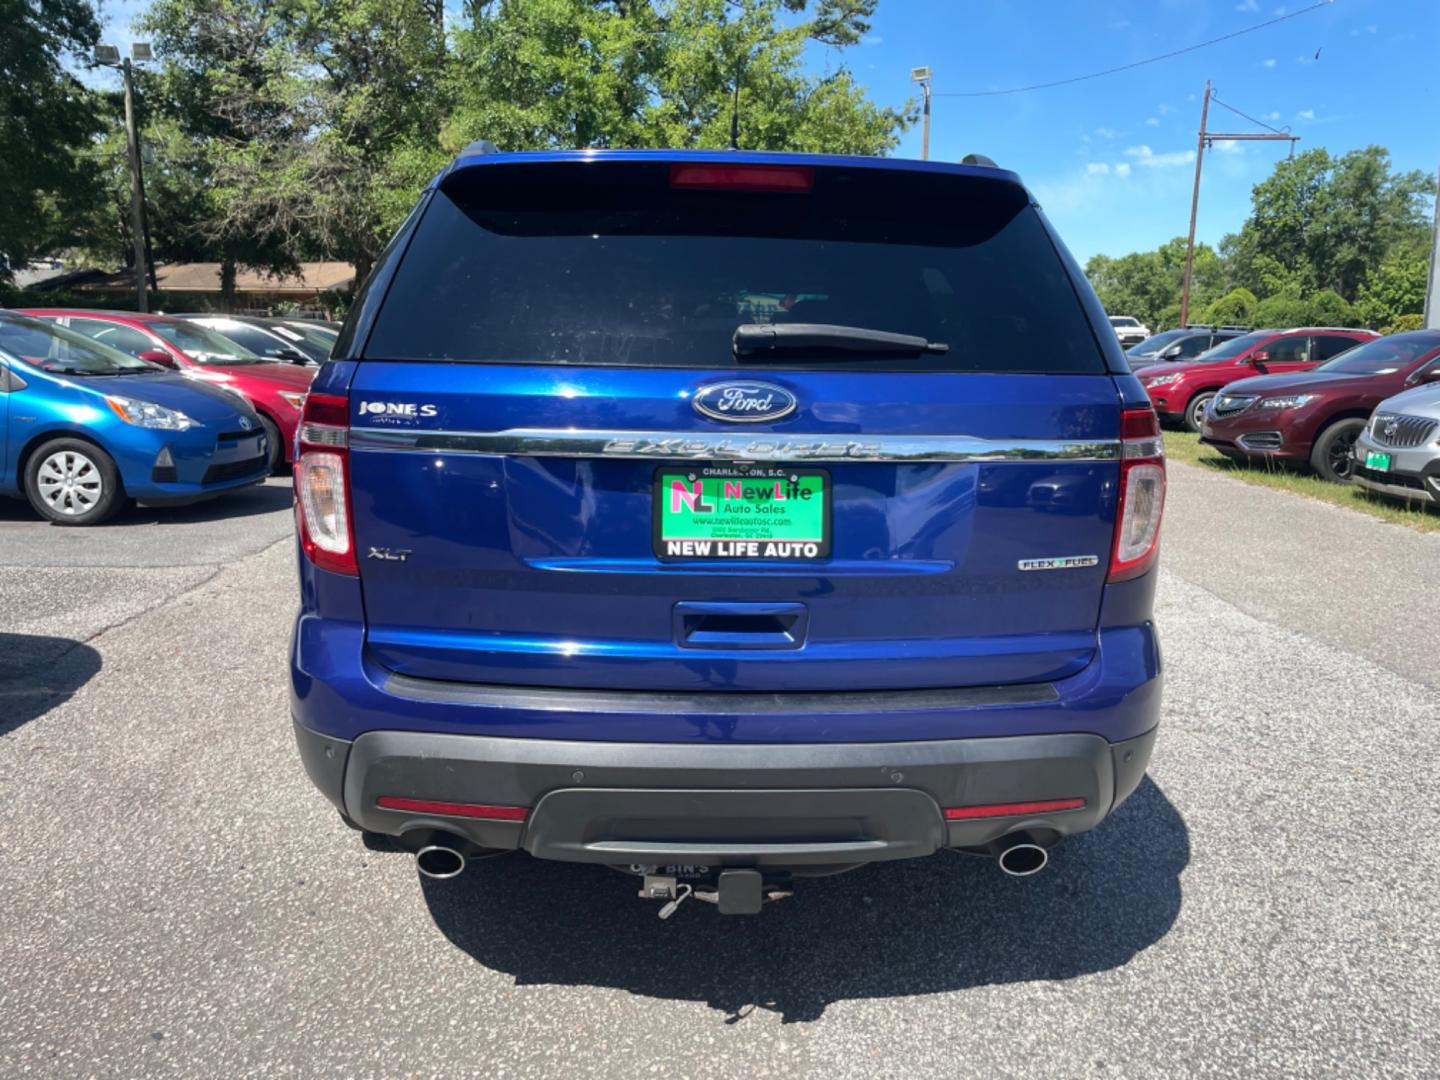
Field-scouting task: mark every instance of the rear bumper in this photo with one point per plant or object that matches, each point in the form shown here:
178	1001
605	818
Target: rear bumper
793	806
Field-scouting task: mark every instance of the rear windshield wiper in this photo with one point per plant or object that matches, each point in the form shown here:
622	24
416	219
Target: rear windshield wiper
753	339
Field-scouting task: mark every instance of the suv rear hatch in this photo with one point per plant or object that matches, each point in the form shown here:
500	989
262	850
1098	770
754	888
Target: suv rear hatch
564	475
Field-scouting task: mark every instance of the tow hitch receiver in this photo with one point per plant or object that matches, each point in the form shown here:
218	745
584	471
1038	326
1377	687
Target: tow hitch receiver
736	892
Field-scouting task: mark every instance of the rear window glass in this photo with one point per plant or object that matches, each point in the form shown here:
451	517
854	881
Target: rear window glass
541	264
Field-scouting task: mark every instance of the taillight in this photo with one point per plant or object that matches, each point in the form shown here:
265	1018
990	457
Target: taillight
778	178
1142	495
322	484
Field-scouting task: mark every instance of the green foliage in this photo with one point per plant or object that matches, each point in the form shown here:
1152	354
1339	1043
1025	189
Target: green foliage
1148	284
1235	308
1328	223
1329	308
532	74
1413	321
1396	288
47	118
318	122
1329	241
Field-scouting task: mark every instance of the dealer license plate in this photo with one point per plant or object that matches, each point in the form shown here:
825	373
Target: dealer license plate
1377	461
757	513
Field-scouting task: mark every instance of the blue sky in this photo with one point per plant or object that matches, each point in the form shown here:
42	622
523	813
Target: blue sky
1112	159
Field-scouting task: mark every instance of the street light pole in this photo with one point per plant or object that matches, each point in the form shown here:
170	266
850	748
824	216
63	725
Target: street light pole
921	75
137	188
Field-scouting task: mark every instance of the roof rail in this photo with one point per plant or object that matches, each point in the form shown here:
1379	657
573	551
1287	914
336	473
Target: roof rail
978	159
1216	326
479	146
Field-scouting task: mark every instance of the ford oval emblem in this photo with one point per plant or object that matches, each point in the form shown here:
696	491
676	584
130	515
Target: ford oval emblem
744	402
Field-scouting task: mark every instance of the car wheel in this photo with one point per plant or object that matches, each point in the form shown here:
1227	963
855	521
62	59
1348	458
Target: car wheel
73	482
1195	411
273	444
1333	454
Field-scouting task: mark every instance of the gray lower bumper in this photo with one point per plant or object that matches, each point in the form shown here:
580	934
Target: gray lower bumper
725	805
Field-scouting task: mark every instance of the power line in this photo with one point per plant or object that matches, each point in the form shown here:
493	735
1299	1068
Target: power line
1140	63
1247	116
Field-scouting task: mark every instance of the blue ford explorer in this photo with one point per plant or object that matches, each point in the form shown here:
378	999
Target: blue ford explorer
727	518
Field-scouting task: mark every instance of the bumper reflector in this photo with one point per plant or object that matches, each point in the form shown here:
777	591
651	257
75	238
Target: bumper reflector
1011	809
453	809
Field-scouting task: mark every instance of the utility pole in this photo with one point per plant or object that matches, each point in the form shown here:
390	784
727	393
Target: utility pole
109	56
1210	138
1194	209
137	189
1432	289
921	75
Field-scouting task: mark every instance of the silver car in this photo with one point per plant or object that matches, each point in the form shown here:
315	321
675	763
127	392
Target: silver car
1398	452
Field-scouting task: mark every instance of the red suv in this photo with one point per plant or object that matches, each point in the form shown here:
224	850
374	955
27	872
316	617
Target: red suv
1315	416
1182	391
275	391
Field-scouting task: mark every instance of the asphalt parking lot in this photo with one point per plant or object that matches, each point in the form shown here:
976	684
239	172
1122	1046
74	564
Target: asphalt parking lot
179	902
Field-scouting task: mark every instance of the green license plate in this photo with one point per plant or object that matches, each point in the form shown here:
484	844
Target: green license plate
1377	461
758	513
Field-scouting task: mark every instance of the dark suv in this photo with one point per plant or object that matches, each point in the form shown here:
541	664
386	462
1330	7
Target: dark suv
726	518
1170	346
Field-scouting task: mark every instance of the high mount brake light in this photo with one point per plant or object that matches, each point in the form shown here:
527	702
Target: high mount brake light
775	178
322	484
1142	495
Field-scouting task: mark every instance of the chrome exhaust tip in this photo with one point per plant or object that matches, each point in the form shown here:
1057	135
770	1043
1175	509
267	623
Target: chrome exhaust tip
1023	859
439	863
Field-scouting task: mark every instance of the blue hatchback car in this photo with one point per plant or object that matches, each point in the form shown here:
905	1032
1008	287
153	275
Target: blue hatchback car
726	518
84	427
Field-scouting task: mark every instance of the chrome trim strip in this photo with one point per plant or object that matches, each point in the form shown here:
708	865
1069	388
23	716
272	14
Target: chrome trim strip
672	445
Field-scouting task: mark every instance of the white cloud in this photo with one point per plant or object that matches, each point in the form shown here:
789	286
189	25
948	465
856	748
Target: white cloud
1107	133
1306	114
872	39
1372	29
1096	168
1269	61
1247	6
1304	59
1229	146
1122	168
1153	121
1164	110
1120	24
1143	155
1274	115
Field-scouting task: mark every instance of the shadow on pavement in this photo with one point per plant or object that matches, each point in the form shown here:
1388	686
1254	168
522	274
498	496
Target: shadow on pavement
945	923
39	673
274	495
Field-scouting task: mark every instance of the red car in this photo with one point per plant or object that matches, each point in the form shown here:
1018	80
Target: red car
275	391
1315	416
1182	391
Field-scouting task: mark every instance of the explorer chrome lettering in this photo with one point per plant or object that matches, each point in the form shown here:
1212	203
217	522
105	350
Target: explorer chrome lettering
763	449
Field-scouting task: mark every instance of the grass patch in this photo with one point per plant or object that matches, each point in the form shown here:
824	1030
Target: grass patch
1183	446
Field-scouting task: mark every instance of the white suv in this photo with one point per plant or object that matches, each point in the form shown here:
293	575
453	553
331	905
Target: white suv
1130	330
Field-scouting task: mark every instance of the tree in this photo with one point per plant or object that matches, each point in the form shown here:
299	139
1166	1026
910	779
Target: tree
1148	284
531	74
309	113
47	120
1235	308
1327	223
1395	289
